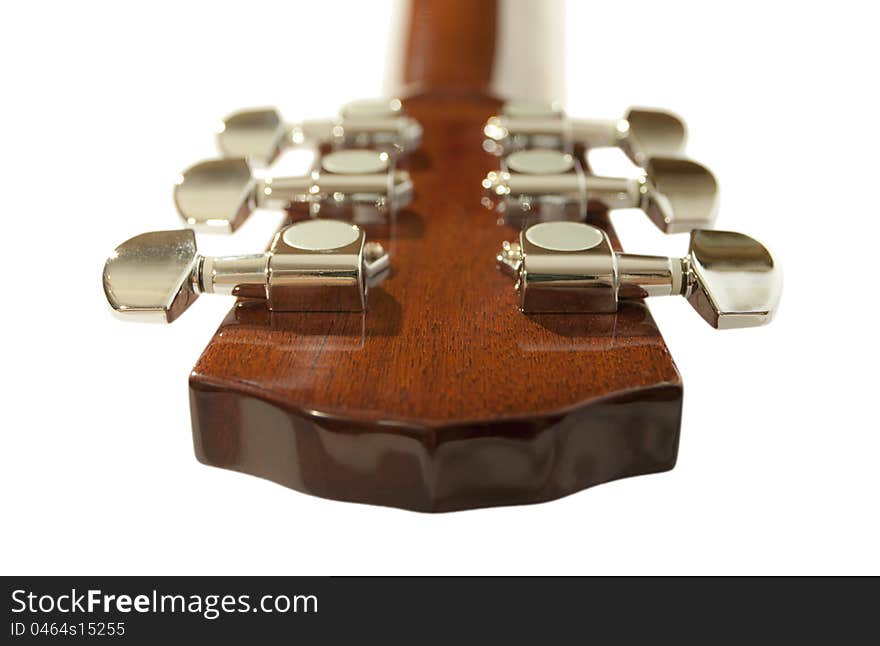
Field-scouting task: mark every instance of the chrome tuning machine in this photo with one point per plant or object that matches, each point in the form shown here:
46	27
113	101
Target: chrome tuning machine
730	279
547	184
315	265
220	194
642	133
261	134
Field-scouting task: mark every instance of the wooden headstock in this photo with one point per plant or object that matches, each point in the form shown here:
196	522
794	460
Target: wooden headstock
442	396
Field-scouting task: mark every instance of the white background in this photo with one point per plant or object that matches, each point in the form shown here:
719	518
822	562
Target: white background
105	102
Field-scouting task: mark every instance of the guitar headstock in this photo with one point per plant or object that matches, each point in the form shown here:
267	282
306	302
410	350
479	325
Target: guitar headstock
379	351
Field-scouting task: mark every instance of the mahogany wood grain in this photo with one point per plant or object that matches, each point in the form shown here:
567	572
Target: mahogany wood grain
450	46
443	396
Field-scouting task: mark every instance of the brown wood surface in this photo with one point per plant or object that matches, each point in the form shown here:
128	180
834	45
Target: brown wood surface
443	395
450	46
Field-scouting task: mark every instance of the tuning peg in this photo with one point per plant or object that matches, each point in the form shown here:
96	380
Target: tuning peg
730	279
219	194
677	194
261	134
315	265
642	133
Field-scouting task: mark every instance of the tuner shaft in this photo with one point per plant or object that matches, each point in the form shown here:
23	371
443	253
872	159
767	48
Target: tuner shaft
676	194
643	276
312	266
730	279
234	275
278	192
641	134
615	192
360	184
597	133
594	133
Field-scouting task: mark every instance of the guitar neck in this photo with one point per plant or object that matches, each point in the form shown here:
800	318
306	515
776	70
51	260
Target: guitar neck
501	48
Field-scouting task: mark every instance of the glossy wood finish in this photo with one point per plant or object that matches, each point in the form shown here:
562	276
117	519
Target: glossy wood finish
443	396
450	46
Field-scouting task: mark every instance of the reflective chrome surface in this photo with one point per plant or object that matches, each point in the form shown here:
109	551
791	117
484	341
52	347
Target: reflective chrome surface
537	185
510	258
148	277
315	266
506	134
215	195
219	195
652	133
677	194
377	262
233	275
370	191
734	282
258	134
261	134
396	134
372	108
567	267
642	133
524	109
